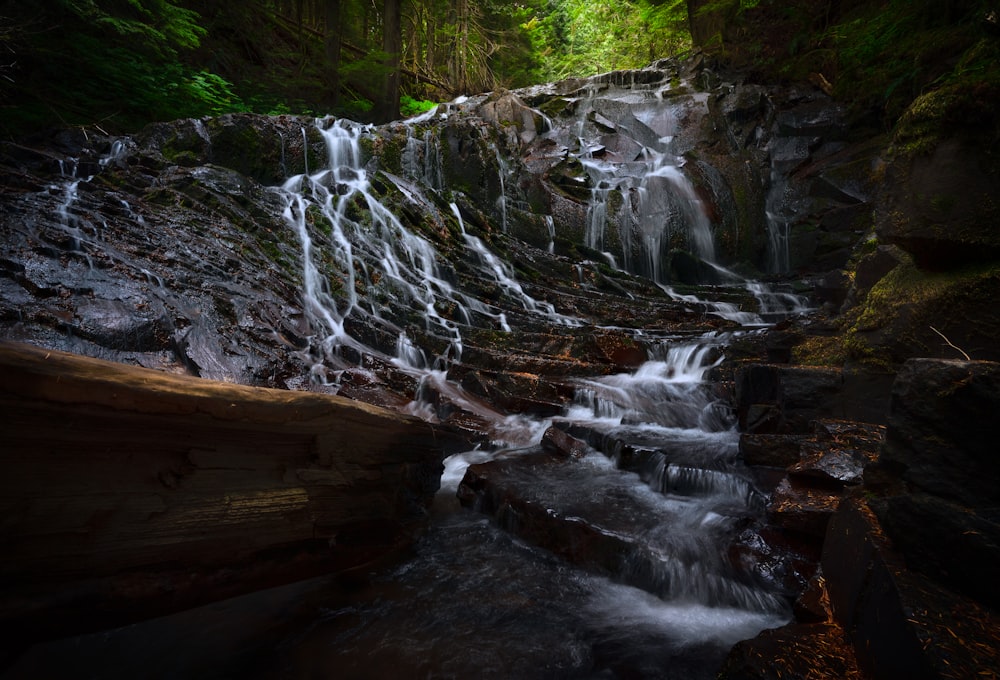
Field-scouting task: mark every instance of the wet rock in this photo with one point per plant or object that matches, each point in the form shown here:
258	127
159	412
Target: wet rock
802	508
940	205
743	108
833	288
158	492
772	450
507	110
595	517
957	546
940	429
562	444
908	310
838	458
802	650
813	605
785	560
900	623
799	393
780	341
871	268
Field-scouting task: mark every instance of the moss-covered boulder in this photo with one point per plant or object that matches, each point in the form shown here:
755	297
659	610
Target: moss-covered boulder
912	312
939	194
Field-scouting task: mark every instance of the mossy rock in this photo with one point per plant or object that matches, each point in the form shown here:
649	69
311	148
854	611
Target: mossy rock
939	196
912	312
266	148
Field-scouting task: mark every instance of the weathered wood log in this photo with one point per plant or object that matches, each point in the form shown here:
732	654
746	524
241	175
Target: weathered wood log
127	493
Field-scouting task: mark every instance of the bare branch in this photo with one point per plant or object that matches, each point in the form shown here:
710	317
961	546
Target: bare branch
948	342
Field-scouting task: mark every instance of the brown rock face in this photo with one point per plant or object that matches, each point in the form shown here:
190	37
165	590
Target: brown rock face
127	493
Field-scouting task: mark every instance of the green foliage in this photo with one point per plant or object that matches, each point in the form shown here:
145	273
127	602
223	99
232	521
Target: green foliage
581	37
889	53
110	63
408	106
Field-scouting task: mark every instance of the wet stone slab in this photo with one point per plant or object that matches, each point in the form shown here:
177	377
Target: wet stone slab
609	521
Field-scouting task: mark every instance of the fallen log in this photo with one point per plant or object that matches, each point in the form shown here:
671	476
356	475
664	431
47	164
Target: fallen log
127	493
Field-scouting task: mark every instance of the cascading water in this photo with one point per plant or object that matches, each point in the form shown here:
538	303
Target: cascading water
686	479
366	240
660	479
504	276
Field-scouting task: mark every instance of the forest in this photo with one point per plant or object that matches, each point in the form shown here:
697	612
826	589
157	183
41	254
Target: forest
118	64
121	62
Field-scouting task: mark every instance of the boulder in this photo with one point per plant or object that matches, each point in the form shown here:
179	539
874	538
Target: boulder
799	394
954	545
940	429
507	110
128	493
902	625
941	206
771	450
802	508
800	650
905	314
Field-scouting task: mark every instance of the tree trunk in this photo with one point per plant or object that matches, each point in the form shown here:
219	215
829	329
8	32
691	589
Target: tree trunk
392	43
332	45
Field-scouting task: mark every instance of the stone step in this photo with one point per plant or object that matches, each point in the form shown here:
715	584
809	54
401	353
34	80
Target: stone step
595	516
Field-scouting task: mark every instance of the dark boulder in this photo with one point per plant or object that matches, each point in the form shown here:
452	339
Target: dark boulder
902	624
941	429
942	207
799	394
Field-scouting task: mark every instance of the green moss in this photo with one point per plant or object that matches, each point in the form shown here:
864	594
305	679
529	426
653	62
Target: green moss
389	151
821	351
315	217
896	320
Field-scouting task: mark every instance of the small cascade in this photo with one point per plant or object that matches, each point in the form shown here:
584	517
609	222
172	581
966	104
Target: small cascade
69	168
778	226
664	423
409	355
687	480
372	249
550	225
603	181
667	392
776	305
421	157
689	207
504	276
502	170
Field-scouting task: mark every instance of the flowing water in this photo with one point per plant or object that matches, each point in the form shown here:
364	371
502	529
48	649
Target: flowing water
660	479
479	597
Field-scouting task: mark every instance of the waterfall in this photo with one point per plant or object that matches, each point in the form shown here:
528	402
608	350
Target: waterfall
504	276
371	248
667	392
340	221
421	158
778	226
502	199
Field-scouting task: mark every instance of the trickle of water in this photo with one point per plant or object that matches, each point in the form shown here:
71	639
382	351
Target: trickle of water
374	241
504	276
